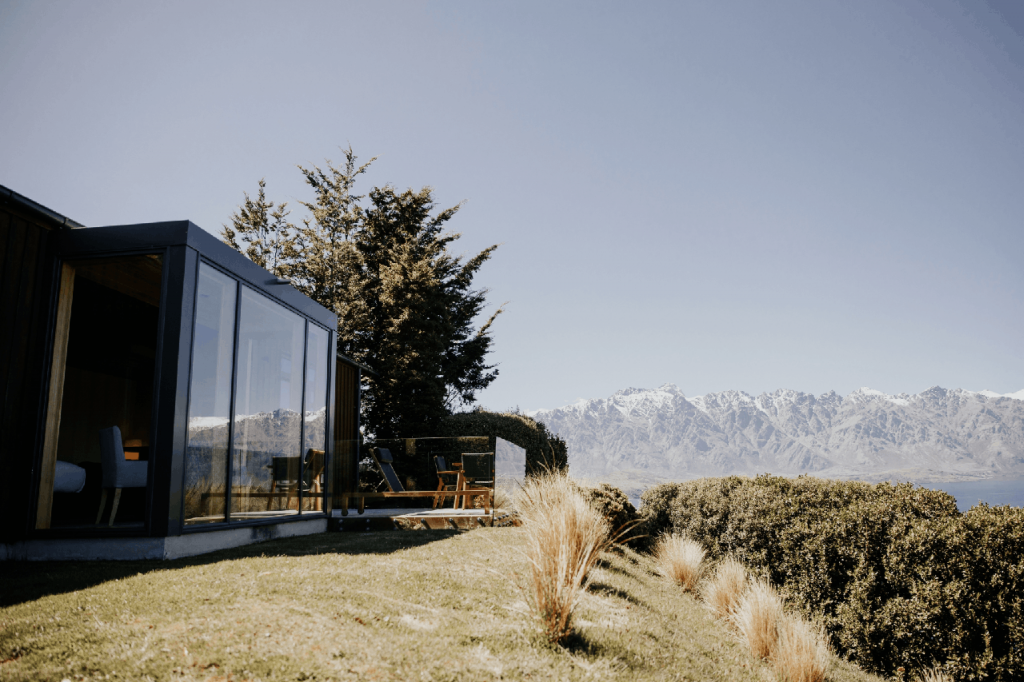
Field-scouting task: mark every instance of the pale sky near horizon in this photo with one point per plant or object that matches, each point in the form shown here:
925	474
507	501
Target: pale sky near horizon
720	195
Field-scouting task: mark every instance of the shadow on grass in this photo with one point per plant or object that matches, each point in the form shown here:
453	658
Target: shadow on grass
577	644
25	581
602	588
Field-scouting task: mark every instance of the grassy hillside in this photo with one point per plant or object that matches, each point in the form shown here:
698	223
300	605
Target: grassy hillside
381	606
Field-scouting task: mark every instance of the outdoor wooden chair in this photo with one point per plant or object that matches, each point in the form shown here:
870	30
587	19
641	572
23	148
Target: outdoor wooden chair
383	459
478	471
448	479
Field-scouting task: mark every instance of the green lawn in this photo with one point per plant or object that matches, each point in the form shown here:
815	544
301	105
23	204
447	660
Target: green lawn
428	605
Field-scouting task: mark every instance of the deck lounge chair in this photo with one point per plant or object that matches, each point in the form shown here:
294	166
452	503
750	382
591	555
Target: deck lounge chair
384	460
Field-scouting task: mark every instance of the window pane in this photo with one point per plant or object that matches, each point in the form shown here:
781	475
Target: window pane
268	405
316	417
210	398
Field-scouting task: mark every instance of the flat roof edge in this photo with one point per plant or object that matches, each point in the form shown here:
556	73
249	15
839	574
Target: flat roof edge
8	194
145	236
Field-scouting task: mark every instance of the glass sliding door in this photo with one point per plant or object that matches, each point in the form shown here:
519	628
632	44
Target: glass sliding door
110	311
314	475
210	398
266	465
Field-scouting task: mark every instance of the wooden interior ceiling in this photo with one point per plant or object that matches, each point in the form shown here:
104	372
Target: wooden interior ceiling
135	276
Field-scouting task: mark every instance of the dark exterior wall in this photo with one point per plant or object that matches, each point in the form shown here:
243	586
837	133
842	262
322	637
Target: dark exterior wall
26	283
346	429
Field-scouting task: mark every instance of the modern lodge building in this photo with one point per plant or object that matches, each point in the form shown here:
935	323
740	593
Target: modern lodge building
236	418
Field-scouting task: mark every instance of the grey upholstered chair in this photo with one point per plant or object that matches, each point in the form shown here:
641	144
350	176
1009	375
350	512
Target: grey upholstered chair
118	472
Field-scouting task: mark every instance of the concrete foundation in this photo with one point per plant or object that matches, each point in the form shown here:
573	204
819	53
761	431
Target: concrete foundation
132	549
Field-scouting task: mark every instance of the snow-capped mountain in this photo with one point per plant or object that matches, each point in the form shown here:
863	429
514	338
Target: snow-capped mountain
934	434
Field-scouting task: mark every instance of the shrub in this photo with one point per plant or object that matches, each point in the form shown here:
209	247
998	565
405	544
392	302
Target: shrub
802	653
681	560
620	513
934	675
543	450
565	536
899	577
723	592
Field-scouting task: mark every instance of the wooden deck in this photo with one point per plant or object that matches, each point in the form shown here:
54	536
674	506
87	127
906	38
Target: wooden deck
416	519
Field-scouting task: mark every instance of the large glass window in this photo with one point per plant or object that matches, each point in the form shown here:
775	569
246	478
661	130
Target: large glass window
259	382
317	358
210	398
266	458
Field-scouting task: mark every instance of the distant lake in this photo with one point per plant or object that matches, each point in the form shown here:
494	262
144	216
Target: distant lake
994	493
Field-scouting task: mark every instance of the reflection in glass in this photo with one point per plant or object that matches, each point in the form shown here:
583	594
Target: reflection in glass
210	398
317	357
268	406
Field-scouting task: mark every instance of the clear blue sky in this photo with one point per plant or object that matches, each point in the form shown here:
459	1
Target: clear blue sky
722	195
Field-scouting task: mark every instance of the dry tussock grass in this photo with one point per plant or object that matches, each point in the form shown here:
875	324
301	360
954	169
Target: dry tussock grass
565	536
501	499
798	650
802	653
680	559
723	592
757	618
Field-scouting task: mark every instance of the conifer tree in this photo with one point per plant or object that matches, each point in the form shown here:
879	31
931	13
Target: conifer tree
327	261
417	315
266	237
405	304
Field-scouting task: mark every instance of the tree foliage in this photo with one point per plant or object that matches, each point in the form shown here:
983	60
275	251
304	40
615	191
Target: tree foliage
266	237
406	305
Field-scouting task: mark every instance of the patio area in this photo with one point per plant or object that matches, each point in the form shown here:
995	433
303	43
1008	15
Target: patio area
417	519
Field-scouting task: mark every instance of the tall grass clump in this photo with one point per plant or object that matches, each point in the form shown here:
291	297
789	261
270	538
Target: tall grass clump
565	537
757	617
802	653
723	592
681	560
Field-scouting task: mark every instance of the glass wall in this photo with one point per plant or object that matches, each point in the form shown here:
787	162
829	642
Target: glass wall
317	357
210	398
268	413
259	390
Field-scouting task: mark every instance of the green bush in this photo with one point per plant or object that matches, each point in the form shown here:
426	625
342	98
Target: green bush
618	510
543	450
898	576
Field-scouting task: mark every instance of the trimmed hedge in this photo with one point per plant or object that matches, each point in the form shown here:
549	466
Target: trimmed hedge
897	575
543	450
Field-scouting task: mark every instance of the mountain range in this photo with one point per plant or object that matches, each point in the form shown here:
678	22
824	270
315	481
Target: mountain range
935	435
